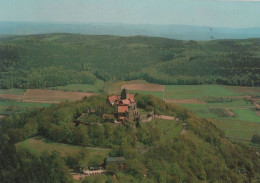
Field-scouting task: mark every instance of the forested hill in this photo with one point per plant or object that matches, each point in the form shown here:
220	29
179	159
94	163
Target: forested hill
154	152
58	59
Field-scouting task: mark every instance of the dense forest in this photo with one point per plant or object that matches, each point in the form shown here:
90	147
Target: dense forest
39	61
202	154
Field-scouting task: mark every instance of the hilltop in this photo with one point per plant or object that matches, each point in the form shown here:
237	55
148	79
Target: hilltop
180	32
157	151
49	60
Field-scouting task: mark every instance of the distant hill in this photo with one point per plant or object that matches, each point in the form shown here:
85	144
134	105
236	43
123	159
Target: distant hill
46	60
181	32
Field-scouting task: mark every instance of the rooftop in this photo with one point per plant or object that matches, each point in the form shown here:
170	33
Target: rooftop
122	109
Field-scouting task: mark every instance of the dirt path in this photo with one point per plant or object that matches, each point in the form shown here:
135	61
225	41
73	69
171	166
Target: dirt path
184	129
230	112
256	105
165	117
98	149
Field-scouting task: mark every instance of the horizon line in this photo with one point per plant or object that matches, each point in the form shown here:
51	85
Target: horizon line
85	23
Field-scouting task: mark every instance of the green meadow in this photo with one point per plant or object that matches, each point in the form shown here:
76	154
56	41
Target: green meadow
8	106
13	91
168	128
97	87
197	91
158	94
38	145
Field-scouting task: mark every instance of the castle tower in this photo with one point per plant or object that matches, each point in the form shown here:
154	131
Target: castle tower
124	94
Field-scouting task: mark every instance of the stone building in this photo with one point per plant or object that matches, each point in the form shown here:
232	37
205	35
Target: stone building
126	106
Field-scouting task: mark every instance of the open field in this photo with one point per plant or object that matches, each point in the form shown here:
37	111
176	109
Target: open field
244	90
197	91
12	91
115	87
158	94
8	106
38	145
19	100
144	87
239	109
96	88
46	96
185	101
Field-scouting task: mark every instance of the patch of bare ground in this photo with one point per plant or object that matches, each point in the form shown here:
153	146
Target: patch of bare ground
47	96
164	117
184	132
256	105
42	101
258	113
230	112
185	101
246	90
144	87
8	96
2	116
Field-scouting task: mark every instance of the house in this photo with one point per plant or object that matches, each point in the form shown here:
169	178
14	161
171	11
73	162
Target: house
126	106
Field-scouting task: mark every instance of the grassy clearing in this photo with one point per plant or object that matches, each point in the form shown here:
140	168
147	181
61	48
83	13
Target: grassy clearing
168	128
96	88
39	145
197	91
13	91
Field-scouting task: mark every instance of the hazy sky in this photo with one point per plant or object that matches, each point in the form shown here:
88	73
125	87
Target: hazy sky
214	13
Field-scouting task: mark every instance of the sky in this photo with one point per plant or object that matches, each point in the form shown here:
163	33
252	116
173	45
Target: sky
214	13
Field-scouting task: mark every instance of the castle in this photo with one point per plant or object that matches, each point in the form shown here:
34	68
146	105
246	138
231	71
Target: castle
126	106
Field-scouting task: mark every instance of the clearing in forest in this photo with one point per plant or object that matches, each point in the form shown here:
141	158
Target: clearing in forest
39	145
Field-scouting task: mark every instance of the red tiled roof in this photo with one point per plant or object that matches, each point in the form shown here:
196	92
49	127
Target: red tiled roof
114	99
122	109
125	102
132	98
